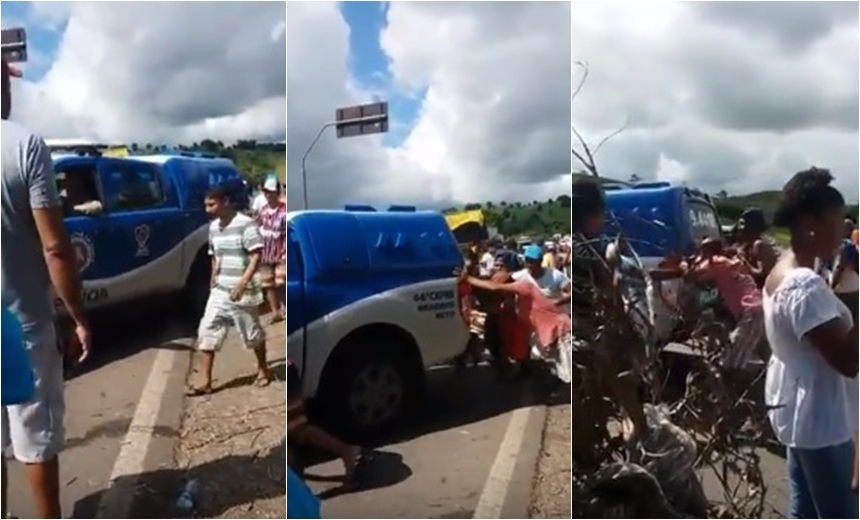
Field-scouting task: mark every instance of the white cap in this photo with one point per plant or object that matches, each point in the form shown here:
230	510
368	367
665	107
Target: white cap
271	184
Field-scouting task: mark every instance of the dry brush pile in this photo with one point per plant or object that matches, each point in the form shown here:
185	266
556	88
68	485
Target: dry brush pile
639	453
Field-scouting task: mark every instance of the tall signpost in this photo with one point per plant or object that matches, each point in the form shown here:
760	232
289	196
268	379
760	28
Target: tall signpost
352	121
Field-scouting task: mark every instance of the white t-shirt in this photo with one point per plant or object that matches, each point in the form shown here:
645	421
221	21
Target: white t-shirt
552	283
816	406
488	261
258	203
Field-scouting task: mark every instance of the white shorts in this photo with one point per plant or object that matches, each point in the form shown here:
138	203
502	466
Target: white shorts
221	314
34	431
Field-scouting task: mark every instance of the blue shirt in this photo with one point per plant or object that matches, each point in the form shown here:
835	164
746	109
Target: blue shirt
301	502
18	385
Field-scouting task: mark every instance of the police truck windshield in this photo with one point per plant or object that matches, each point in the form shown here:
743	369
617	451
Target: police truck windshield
704	222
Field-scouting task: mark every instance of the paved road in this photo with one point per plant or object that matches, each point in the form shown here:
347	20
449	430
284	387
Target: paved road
102	402
472	454
773	470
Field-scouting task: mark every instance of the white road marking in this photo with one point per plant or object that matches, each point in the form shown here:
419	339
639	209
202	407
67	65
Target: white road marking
117	500
495	491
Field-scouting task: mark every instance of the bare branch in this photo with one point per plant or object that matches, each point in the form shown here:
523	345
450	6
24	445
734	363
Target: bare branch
586	157
620	129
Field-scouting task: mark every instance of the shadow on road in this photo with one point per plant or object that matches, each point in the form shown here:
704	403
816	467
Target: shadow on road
125	333
277	372
226	483
377	469
456	398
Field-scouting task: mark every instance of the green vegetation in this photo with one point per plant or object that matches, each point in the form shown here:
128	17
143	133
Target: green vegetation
731	207
536	218
254	160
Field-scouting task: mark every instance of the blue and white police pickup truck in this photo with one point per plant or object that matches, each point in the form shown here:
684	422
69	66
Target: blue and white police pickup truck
138	225
372	301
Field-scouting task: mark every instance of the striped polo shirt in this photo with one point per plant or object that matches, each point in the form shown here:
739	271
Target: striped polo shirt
231	246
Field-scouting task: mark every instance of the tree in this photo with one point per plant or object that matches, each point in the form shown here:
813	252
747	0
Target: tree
634	179
563	201
723	194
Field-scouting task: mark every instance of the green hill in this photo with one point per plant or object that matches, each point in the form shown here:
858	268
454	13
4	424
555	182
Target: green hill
731	207
253	159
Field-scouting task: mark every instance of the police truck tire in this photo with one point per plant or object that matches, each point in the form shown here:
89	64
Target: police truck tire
370	391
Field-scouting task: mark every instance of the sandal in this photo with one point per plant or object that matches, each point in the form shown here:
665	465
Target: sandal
198	391
262	381
277	318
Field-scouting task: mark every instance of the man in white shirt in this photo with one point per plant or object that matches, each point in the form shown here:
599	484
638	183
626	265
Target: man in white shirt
554	284
488	261
260	200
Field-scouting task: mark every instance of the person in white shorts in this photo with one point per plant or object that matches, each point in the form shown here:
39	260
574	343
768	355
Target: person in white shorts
38	255
235	245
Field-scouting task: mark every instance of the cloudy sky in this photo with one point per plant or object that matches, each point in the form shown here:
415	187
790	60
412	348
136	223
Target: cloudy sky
479	97
733	95
162	72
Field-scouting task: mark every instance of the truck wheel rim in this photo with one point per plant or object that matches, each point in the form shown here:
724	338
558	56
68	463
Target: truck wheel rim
377	394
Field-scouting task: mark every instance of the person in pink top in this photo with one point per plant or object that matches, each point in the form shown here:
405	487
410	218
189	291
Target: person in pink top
739	291
550	323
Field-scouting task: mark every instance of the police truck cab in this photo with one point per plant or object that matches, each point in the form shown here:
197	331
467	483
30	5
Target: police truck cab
372	302
138	226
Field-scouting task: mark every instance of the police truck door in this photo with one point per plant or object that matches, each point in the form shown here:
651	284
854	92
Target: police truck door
143	225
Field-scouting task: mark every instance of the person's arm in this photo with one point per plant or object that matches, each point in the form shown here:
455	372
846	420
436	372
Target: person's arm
565	287
488	285
215	265
854	479
47	210
838	271
765	258
252	242
817	319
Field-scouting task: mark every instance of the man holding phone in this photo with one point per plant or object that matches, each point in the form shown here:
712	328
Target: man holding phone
38	256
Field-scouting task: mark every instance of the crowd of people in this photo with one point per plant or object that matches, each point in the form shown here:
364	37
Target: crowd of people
795	309
522	297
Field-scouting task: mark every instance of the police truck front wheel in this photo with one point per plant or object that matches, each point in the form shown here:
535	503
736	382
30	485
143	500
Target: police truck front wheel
372	393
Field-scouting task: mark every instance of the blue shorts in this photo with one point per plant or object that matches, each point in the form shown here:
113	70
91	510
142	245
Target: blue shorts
34	431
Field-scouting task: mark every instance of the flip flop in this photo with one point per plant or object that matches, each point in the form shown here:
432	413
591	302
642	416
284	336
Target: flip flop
198	391
262	381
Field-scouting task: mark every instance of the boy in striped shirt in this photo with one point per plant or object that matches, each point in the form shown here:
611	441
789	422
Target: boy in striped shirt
235	246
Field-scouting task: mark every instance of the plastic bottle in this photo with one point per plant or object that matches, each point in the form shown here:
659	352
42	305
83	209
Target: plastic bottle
186	503
18	385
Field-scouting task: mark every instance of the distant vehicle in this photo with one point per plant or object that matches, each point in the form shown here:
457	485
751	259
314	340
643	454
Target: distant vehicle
143	231
658	218
372	302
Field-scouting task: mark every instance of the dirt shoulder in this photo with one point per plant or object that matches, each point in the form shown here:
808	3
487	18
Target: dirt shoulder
551	495
233	441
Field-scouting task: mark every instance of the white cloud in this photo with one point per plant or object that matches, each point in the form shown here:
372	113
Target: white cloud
159	72
731	95
493	125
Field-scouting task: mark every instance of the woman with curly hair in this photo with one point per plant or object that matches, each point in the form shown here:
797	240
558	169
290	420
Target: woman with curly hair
811	377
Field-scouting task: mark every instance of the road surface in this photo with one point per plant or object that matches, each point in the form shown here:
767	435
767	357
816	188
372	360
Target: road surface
472	454
118	386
